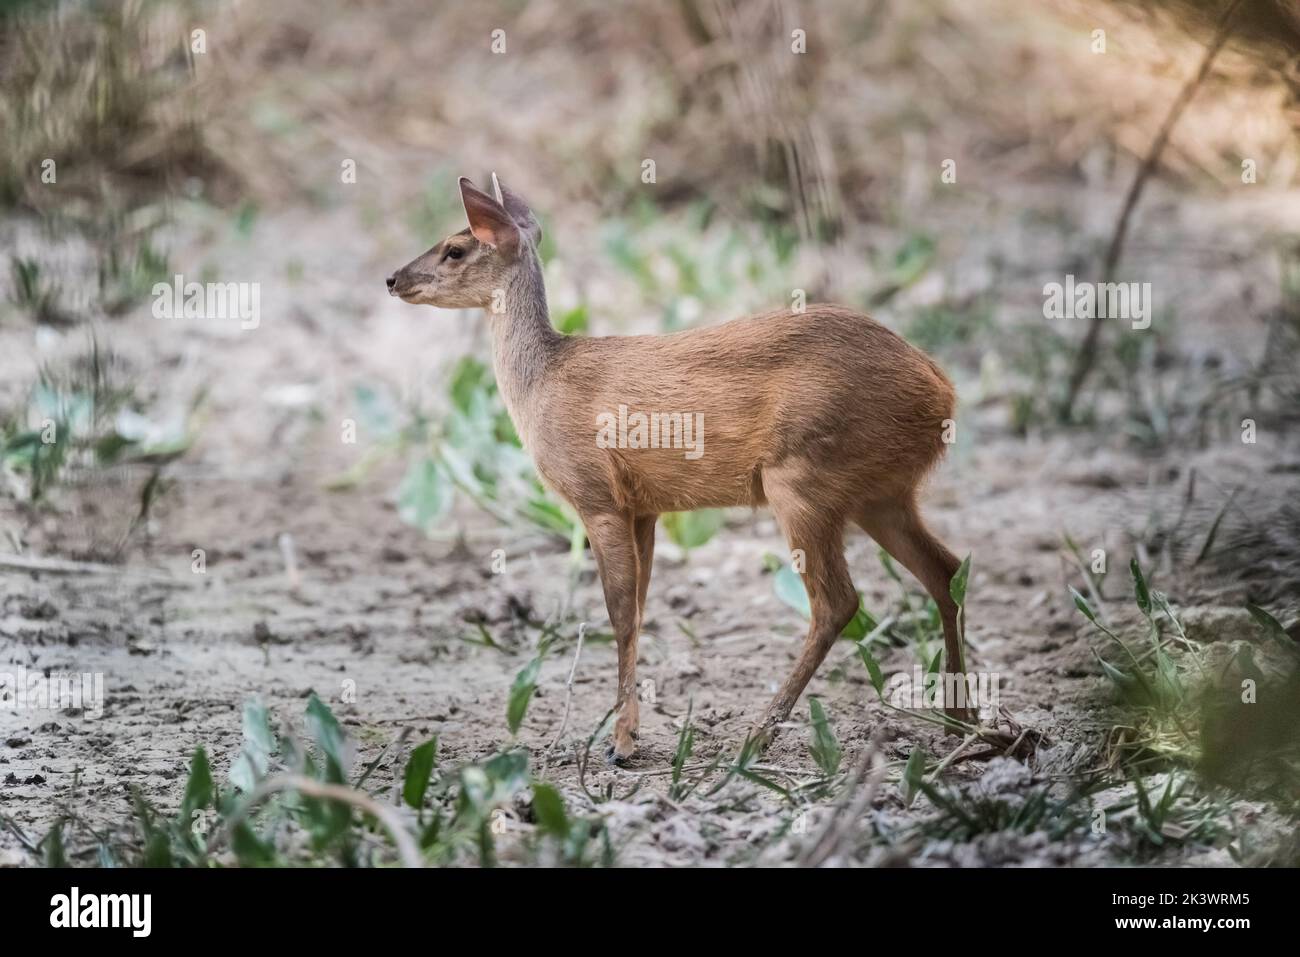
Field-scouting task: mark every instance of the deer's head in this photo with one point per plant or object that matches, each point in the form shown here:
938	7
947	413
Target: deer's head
465	269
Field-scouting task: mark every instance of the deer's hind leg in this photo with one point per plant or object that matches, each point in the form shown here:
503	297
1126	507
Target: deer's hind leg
897	528
816	539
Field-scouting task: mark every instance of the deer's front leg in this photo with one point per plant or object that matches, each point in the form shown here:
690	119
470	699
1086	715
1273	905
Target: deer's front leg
615	546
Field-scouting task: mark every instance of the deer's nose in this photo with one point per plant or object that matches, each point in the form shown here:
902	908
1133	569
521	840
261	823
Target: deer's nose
391	281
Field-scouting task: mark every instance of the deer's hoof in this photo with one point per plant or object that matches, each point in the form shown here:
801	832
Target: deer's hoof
619	754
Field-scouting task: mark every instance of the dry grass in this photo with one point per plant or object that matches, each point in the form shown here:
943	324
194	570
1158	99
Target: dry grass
709	89
103	90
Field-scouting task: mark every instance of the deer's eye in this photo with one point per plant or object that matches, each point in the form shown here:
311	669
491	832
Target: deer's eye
455	252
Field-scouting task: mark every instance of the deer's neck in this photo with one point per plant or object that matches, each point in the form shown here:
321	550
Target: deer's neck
523	341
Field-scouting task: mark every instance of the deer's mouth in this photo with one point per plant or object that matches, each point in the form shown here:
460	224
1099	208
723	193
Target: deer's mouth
407	292
410	288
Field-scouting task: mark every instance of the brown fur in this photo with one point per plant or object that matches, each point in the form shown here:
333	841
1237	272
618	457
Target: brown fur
825	416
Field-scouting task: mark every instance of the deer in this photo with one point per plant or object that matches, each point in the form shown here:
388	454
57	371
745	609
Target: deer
826	417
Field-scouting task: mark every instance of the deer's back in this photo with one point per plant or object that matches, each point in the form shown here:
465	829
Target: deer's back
830	388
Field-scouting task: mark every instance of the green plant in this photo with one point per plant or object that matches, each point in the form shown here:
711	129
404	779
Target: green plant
33	291
685	270
473	451
824	748
945	324
521	693
1230	720
972	813
1149	679
909	263
83	415
678	790
688	530
128	271
289	804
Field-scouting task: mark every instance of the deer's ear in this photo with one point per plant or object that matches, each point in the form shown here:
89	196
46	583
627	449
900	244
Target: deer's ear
488	219
519	211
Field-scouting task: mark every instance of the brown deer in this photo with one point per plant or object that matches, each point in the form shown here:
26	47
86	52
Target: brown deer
825	416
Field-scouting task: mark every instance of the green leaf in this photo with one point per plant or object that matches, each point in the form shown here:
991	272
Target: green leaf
690	530
574	321
250	850
873	669
432	831
1081	603
259	744
508	770
470	380
548	809
1168	683
492	784
790	589
891	569
860	625
327	821
1140	587
419	766
912	259
825	749
1125	682
913	775
199	788
957	587
521	693
1272	627
685	745
1208	545
328	735
549	515
1167	800
157	847
52	846
374	412
423	496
